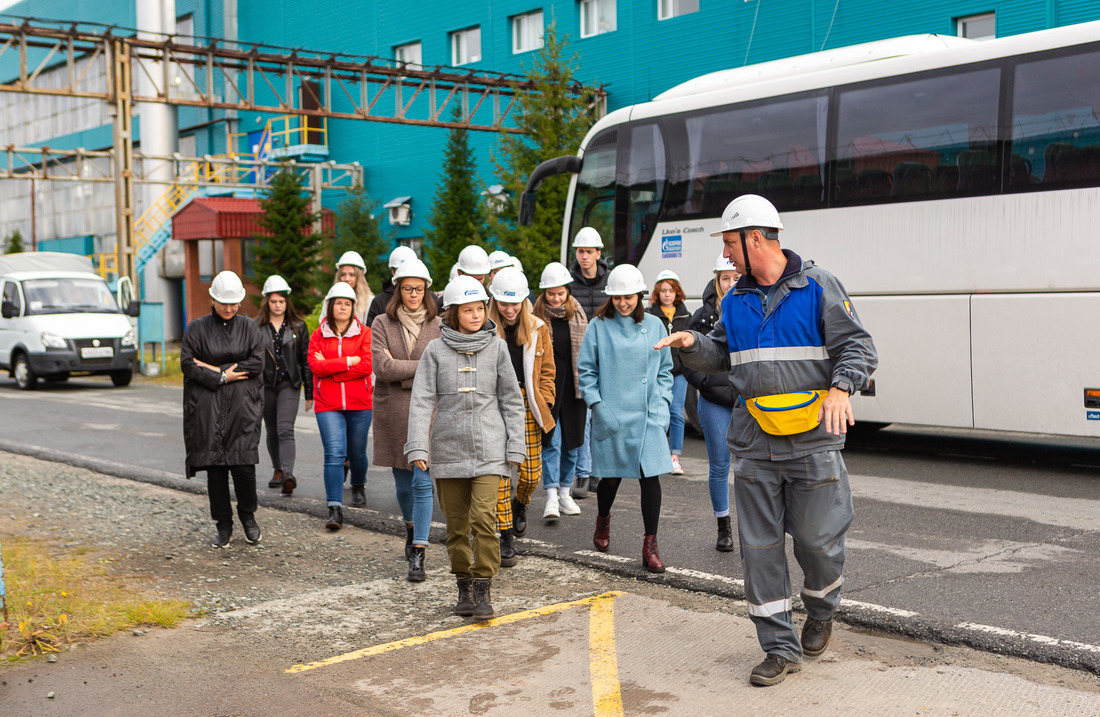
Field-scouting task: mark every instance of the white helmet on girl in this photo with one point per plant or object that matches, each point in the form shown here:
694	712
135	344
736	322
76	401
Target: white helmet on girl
341	290
724	264
473	260
509	286
625	280
463	290
499	259
400	254
351	258
668	274
555	274
275	283
412	268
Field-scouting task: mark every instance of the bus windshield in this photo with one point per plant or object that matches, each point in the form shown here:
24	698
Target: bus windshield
68	296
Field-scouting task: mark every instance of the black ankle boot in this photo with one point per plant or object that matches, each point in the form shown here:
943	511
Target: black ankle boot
508	556
519	518
483	600
358	496
725	535
416	564
465	604
335	517
408	541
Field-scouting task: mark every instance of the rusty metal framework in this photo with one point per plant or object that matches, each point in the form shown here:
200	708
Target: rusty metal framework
260	78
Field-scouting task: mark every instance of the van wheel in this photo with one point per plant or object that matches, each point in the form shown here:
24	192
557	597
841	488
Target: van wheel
21	371
121	378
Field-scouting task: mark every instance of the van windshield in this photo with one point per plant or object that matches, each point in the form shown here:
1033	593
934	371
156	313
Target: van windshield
68	296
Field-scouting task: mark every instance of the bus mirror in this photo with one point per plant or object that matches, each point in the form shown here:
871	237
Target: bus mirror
527	202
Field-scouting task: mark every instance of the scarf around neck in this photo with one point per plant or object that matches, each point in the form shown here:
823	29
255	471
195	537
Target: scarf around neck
411	323
577	325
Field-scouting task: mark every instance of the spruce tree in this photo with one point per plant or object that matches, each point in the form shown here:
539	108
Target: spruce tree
555	120
292	247
358	228
14	244
456	217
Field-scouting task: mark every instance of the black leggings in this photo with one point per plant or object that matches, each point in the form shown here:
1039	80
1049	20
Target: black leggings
651	500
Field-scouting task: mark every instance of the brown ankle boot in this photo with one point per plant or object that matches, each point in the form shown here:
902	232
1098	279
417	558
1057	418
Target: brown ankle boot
651	560
602	538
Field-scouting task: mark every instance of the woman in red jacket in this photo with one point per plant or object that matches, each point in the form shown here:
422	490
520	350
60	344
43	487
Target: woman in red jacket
340	358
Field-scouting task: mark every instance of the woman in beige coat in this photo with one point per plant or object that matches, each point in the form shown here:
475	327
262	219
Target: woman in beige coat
400	336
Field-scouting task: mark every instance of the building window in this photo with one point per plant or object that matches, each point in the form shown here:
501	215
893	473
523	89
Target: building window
597	17
977	27
527	32
409	55
667	9
466	46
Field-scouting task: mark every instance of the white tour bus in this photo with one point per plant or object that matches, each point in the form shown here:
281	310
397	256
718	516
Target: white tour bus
953	186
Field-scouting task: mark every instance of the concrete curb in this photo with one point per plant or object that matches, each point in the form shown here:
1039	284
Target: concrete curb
883	620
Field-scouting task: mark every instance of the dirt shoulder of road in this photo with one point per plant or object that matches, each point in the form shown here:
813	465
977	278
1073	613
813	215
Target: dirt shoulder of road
304	594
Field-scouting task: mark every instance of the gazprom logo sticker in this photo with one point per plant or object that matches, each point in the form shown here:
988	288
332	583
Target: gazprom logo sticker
672	246
471	292
1092	415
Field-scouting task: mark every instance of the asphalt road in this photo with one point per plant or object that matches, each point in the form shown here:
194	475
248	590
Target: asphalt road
959	537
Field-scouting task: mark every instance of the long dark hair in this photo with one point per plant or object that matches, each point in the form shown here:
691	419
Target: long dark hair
430	306
291	316
608	310
540	305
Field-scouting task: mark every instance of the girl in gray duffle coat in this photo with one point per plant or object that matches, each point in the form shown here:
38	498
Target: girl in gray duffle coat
628	387
466	383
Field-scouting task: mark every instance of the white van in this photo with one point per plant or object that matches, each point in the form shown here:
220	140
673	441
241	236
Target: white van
58	318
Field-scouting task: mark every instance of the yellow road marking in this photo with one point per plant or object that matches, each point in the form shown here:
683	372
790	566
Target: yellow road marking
603	662
421	639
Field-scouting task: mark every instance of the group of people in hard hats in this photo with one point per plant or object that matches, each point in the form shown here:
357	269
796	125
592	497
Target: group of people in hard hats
492	390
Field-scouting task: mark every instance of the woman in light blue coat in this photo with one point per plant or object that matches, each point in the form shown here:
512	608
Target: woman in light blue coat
628	387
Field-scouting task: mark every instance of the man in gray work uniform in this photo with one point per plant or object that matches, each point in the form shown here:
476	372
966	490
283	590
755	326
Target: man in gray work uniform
787	326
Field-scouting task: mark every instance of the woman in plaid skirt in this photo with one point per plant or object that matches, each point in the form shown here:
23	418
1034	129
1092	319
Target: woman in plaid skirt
532	354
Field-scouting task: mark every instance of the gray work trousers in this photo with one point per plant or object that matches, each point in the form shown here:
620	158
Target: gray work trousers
280	410
809	499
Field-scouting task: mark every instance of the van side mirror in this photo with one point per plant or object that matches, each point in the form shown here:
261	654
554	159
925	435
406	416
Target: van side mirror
133	309
8	310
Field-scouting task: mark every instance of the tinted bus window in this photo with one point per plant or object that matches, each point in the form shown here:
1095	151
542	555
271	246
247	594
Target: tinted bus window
594	196
776	150
1056	122
918	138
643	181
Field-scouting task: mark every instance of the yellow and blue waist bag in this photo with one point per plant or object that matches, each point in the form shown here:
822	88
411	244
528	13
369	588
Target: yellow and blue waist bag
785	414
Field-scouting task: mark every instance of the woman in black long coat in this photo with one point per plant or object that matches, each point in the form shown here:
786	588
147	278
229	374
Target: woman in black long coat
222	359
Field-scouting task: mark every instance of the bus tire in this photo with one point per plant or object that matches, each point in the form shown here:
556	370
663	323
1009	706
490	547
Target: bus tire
122	378
24	375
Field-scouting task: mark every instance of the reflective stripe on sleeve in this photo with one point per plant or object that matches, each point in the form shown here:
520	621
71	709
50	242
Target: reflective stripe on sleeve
779	353
770	608
824	591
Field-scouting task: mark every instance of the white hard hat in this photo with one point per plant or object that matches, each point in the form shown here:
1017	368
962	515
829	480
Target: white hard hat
400	254
724	264
749	210
509	286
412	268
454	273
463	290
624	280
517	263
341	290
499	259
473	260
351	258
666	274
227	288
588	237
555	274
275	284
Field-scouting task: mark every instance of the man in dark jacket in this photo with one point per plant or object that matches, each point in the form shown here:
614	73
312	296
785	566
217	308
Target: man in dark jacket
222	359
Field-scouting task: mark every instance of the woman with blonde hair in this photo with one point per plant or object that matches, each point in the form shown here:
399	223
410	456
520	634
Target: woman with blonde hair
532	356
352	270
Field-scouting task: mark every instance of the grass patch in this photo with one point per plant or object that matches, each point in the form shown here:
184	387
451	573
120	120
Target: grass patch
57	597
172	373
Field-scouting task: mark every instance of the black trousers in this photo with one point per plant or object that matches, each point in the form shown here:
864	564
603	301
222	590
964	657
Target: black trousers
651	500
244	484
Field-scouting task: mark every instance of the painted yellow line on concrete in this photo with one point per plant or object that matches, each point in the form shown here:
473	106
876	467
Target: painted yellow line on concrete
603	662
420	640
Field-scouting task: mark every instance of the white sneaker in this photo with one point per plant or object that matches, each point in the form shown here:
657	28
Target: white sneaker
566	503
551	514
676	469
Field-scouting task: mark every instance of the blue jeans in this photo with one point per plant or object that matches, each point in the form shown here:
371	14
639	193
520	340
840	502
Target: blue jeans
676	415
558	466
414	496
716	421
584	452
343	435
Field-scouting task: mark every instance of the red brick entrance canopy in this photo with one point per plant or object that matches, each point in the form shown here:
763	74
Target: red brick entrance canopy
225	218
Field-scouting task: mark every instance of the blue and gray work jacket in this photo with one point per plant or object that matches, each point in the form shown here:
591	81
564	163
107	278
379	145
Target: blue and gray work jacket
802	334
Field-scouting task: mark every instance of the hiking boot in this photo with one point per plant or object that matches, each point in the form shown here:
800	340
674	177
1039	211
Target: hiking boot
289	484
566	504
335	517
483	606
551	512
416	564
602	537
579	491
408	541
358	496
276	479
725	536
815	636
519	518
508	556
223	536
252	532
651	559
772	671
465	604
